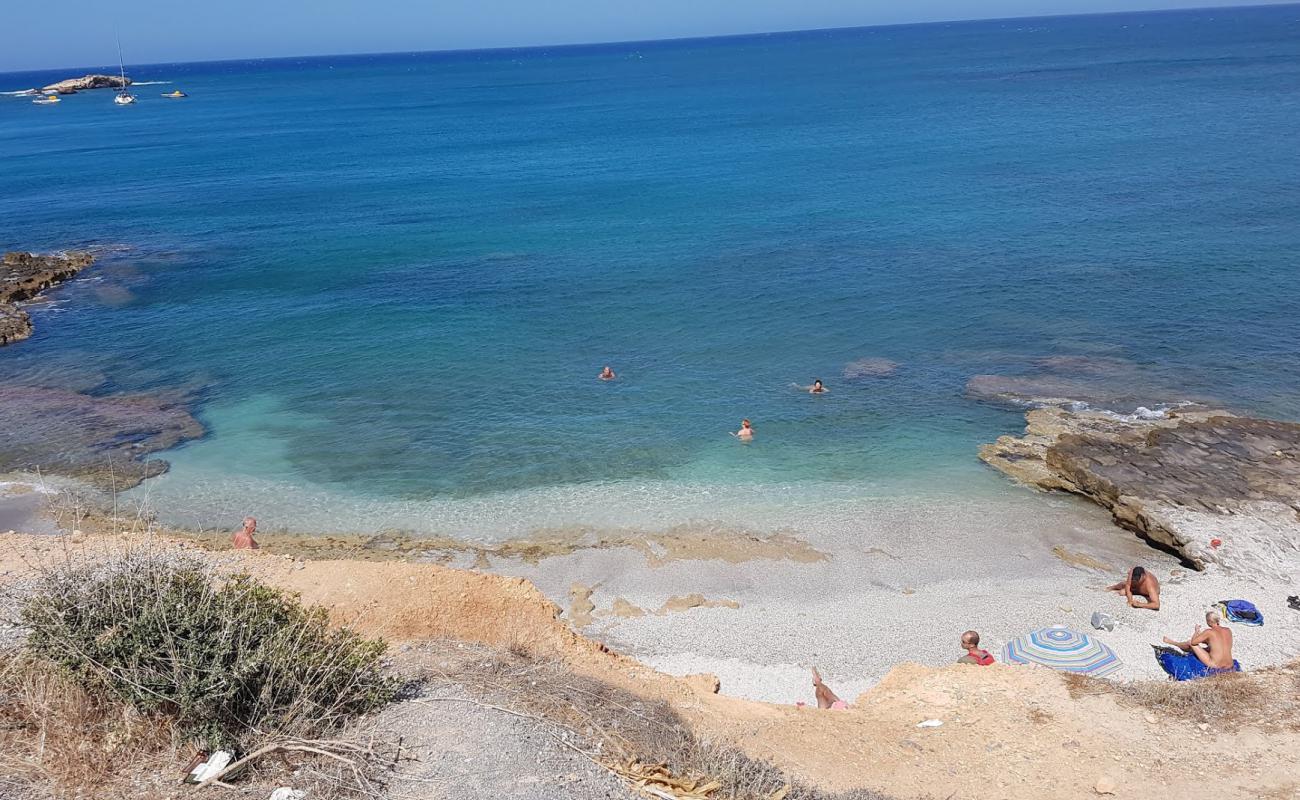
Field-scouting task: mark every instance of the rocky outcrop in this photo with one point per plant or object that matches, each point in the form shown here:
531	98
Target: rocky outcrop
24	276
74	85
1182	480
104	441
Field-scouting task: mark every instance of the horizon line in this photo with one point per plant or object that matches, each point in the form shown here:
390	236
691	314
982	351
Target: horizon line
676	39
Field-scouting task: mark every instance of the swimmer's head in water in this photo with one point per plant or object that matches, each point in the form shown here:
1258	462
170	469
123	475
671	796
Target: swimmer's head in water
744	423
818	383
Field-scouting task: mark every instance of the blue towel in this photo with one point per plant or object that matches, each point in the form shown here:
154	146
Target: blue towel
1186	666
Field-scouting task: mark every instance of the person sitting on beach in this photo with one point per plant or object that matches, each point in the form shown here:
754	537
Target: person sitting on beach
825	697
970	642
607	374
244	537
1212	646
1140	583
746	431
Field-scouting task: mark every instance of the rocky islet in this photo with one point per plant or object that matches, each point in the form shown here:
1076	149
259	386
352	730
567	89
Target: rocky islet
92	81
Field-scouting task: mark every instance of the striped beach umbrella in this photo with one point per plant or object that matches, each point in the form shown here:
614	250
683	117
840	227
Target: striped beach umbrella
1061	648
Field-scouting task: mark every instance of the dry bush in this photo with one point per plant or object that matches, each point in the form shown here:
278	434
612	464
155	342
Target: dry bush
1264	698
228	659
618	724
133	661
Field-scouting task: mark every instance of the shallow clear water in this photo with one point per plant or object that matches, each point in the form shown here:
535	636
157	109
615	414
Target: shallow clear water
395	278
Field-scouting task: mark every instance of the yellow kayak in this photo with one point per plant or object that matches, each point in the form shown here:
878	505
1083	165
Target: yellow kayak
176	93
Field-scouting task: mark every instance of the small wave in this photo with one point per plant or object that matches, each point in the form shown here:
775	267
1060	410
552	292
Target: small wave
21	93
1142	413
148	83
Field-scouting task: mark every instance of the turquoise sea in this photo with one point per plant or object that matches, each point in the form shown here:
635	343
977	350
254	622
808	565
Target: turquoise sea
391	280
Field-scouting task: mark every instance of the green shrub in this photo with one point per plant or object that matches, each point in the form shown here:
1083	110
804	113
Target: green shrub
225	657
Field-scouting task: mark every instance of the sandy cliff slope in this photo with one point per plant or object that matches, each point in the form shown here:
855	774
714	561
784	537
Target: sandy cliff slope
1008	732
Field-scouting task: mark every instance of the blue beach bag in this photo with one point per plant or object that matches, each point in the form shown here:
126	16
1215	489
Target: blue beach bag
1242	611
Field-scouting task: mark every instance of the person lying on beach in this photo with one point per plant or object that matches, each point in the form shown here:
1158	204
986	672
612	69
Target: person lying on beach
1212	646
1140	583
825	697
607	374
746	431
970	642
243	539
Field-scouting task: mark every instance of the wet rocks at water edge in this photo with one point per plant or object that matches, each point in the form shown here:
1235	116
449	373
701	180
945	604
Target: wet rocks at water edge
1218	489
15	324
24	276
74	85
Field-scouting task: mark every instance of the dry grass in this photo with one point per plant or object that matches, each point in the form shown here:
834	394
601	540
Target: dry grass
1267	698
617	726
59	740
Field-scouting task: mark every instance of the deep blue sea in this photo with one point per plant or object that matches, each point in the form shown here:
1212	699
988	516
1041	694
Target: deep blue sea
392	279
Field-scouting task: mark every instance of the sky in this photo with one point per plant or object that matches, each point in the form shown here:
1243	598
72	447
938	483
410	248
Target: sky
73	33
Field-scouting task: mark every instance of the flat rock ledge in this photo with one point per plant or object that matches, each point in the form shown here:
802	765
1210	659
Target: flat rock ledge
74	85
1180	481
105	441
24	276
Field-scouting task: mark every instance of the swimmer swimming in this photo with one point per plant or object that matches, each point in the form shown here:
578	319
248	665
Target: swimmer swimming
816	388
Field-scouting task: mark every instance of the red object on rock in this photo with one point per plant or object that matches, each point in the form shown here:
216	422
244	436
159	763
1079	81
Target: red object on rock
1215	543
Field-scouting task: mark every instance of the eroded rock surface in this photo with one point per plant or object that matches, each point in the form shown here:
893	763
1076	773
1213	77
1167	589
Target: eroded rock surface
1181	480
24	276
104	441
74	85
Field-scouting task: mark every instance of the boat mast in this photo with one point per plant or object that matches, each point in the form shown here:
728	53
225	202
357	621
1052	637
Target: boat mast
120	63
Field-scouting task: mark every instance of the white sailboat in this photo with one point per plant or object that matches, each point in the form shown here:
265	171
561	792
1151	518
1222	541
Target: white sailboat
123	98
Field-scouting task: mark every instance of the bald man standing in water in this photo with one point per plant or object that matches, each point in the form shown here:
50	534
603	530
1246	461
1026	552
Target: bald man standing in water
244	537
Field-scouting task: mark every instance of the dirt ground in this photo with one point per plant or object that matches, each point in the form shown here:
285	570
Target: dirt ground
1007	732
